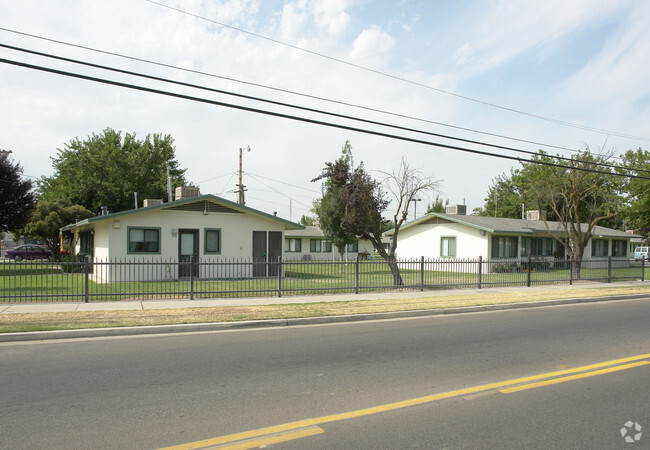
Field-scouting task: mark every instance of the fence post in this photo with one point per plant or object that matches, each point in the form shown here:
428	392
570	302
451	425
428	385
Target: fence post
480	270
528	274
356	275
421	273
192	277
86	276
570	270
609	269
279	276
642	269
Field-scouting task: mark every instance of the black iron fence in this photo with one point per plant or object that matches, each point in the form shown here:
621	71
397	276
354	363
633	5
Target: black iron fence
85	280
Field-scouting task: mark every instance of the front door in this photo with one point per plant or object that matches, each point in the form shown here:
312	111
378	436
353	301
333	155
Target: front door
259	253
275	251
188	253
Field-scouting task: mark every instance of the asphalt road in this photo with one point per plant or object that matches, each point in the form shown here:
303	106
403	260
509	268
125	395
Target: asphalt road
156	391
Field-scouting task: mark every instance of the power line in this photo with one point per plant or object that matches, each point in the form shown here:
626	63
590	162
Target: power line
307	120
289	105
404	116
405	80
275	190
282	182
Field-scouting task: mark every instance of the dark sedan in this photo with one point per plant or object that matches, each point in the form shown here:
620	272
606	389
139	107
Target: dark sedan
28	252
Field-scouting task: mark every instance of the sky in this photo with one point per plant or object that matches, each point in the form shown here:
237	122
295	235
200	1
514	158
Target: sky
553	75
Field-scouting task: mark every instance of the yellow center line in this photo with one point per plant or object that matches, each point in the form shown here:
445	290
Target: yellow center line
398	405
573	377
274	439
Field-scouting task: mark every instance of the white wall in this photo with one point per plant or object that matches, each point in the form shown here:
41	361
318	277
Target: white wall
424	240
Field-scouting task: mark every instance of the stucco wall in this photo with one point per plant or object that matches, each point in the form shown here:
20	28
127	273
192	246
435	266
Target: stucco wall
424	240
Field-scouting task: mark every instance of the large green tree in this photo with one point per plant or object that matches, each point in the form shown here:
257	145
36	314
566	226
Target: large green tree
16	195
49	217
637	191
108	168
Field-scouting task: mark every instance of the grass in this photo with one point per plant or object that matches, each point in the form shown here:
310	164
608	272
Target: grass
98	319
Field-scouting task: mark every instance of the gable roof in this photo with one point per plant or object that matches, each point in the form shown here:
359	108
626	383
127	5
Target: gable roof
206	202
500	225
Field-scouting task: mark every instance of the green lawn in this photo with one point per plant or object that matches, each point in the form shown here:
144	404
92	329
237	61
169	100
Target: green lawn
33	282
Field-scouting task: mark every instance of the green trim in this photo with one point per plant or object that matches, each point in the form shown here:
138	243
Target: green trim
455	238
205	241
128	240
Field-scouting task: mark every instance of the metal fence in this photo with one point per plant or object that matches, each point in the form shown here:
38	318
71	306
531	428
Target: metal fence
83	280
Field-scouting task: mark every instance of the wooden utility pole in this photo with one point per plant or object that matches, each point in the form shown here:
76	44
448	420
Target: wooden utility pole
241	186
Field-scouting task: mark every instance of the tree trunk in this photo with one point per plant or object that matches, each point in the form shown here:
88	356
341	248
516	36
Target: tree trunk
576	263
394	270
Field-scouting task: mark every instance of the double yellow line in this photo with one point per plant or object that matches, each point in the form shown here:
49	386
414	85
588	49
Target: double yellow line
310	427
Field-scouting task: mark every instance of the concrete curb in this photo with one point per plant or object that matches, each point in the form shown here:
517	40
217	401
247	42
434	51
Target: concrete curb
272	323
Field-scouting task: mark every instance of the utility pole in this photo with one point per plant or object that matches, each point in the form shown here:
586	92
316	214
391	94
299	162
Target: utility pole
5	152
241	185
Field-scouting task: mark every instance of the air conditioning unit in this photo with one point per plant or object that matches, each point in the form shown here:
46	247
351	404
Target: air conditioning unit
151	202
456	209
183	192
536	215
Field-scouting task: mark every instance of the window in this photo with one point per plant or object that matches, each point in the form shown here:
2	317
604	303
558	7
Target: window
504	247
619	247
144	240
327	246
537	247
599	247
212	240
352	248
448	247
315	245
293	245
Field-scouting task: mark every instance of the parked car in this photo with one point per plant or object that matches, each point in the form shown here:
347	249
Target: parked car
642	253
28	252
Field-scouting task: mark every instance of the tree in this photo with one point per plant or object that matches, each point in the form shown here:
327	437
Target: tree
438	206
331	209
364	201
307	221
16	196
107	169
49	217
637	213
503	199
578	197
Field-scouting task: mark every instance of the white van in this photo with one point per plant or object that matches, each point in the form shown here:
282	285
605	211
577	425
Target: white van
642	253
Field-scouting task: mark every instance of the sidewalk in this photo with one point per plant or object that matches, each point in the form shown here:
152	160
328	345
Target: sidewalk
21	308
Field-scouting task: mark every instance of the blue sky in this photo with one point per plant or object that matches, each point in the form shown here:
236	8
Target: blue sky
582	62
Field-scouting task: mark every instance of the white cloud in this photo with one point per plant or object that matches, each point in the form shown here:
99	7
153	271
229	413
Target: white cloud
371	47
331	16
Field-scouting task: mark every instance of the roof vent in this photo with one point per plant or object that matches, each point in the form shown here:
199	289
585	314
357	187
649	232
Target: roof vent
461	210
184	192
151	202
536	215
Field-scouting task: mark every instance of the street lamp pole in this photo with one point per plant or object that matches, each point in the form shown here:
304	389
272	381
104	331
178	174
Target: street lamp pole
415	210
